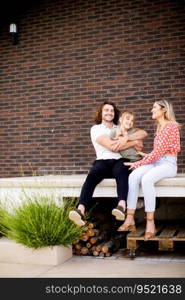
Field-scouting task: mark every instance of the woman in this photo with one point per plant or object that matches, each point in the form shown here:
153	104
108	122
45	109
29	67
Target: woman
160	163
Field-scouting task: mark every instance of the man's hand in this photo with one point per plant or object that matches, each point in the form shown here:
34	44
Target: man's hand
139	134
118	144
138	145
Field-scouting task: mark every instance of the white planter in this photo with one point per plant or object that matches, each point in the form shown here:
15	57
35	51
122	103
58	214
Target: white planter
11	252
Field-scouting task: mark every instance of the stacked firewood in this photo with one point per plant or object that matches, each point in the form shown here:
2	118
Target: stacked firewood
98	240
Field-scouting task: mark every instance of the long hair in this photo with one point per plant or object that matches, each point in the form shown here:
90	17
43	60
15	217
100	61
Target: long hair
169	114
98	114
123	115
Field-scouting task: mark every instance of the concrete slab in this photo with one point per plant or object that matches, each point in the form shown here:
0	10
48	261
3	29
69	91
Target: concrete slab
12	270
70	186
80	267
116	266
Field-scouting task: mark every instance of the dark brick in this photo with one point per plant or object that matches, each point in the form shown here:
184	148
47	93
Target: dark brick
73	55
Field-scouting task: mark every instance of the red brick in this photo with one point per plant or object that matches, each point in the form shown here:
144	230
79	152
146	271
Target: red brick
73	55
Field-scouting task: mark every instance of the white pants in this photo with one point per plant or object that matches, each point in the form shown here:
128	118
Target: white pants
147	176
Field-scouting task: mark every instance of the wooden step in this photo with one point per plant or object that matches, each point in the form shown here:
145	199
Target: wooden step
166	235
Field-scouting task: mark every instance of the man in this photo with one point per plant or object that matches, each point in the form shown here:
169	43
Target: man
109	163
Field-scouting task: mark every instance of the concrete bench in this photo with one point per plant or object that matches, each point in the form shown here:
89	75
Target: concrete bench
70	186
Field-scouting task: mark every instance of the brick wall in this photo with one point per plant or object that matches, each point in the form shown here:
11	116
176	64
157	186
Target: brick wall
71	56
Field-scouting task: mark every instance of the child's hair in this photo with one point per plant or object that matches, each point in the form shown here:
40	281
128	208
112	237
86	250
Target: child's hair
123	115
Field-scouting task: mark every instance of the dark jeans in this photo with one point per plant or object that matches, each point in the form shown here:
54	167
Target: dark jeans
101	169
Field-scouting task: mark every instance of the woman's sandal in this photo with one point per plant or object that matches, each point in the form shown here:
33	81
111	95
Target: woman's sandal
127	227
149	235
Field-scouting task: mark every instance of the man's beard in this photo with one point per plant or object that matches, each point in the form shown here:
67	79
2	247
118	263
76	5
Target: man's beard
108	121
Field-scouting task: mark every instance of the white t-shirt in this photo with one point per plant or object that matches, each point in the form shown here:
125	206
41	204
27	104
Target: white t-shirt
102	152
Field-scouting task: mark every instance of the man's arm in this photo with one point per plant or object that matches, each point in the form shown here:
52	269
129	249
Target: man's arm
139	134
107	142
134	140
122	143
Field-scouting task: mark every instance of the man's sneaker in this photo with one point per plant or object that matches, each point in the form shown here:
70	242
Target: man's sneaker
119	213
77	217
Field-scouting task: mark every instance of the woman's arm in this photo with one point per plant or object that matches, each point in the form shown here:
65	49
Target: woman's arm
169	139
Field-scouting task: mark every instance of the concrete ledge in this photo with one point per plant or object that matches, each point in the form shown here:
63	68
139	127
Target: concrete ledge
11	252
70	186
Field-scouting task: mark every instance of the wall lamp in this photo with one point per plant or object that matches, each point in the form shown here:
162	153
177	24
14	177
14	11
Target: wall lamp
14	33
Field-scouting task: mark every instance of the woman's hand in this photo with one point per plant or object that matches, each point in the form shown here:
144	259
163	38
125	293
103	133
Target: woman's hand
129	164
142	153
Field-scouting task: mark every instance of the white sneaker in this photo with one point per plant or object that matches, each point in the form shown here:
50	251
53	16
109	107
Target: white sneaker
76	217
119	213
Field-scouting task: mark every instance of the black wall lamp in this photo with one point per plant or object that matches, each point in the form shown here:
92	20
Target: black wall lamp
14	33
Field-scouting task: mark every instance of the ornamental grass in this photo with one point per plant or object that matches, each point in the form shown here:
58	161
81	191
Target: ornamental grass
2	227
39	221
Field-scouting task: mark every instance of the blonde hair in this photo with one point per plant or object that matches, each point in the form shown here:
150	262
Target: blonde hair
169	114
123	115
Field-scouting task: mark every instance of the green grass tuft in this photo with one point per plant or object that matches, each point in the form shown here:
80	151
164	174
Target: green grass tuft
39	222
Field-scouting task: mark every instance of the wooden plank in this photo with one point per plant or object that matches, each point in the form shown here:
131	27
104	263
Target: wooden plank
158	230
139	234
180	236
168	232
132	244
181	233
166	235
139	231
166	245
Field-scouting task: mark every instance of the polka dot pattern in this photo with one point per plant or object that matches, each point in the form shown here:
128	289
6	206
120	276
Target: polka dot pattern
167	141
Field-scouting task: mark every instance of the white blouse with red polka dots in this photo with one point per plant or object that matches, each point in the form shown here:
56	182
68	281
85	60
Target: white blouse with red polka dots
167	141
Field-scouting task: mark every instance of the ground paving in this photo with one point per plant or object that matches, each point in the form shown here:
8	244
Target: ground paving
153	264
